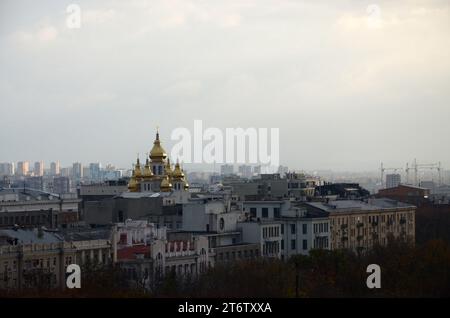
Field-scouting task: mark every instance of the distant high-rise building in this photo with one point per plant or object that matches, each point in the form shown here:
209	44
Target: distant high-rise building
36	183
393	180
6	169
39	168
66	172
94	171
23	167
61	185
245	171
86	172
55	168
77	171
226	170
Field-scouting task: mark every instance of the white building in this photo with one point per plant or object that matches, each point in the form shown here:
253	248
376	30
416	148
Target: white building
266	233
300	231
214	217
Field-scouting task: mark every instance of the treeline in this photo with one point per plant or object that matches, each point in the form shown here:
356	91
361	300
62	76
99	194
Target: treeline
432	223
406	271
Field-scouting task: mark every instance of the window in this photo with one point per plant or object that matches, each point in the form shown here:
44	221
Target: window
292	228
253	212
305	229
305	245
265	212
276	212
282	228
282	244
292	244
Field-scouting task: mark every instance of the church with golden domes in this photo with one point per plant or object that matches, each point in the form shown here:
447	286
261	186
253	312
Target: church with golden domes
157	175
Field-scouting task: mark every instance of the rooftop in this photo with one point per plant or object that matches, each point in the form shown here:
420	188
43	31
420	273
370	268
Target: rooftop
358	205
27	236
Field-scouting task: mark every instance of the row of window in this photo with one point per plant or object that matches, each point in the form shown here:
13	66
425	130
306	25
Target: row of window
372	219
23	219
239	255
265	212
320	228
270	248
271	231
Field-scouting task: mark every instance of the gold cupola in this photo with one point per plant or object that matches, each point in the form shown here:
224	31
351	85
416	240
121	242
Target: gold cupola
138	170
148	174
166	186
178	172
168	169
132	185
157	154
186	185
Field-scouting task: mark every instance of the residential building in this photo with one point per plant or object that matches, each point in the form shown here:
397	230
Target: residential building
77	171
38	168
36	258
23	168
31	208
7	169
359	225
393	180
61	185
54	168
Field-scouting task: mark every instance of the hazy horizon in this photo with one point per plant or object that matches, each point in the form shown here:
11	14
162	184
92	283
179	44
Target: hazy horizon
348	86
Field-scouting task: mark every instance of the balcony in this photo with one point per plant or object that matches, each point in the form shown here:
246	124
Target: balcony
359	224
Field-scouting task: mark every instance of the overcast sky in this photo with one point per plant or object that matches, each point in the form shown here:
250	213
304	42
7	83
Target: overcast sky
349	84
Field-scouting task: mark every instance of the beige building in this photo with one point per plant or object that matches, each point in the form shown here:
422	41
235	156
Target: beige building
360	225
37	258
31	208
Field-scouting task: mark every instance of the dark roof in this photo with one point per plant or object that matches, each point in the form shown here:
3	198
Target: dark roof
87	234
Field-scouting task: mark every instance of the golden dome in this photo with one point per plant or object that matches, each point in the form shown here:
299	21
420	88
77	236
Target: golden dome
177	172
157	153
186	185
168	169
138	171
166	186
148	174
132	185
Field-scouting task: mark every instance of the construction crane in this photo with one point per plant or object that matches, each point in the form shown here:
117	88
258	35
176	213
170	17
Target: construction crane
383	169
416	167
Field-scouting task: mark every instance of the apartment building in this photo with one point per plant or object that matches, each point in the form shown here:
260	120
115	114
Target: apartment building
359	225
